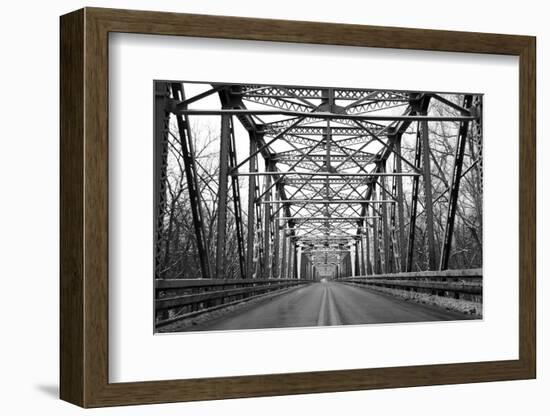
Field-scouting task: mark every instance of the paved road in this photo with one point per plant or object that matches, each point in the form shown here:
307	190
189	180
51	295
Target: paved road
327	303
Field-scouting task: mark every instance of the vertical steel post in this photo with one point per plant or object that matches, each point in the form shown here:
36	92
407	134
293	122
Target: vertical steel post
367	240
295	266
394	247
358	254
252	166
376	243
363	271
289	259
427	176
414	202
454	188
385	224
400	202
298	262
353	259
186	142
260	255
267	224
477	136
222	196
291	270
237	203
284	259
328	99
162	119
276	242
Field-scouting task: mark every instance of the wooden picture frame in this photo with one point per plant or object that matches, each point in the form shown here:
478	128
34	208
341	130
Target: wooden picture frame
84	207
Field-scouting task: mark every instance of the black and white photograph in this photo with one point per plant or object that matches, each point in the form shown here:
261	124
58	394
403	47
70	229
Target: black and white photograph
279	208
292	206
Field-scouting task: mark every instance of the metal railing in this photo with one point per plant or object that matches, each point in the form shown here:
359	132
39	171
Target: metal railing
178	299
449	283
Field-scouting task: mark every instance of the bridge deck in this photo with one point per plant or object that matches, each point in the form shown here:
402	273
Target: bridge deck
327	303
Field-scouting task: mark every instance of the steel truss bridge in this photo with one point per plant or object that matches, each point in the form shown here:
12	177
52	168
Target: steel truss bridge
324	173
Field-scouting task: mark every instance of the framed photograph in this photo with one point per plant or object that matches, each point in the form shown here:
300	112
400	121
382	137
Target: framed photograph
255	207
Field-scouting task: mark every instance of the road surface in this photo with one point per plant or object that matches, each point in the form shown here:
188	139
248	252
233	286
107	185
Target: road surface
327	303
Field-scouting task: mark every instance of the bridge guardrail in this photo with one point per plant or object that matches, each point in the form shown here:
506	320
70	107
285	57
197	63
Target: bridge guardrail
177	299
447	283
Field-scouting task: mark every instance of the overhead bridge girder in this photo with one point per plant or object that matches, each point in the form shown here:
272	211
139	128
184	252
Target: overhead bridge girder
333	181
295	156
351	94
323	131
276	127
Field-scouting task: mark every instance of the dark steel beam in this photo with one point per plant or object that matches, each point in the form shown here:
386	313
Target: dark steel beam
327	201
252	166
362	270
400	201
376	239
222	195
192	182
454	189
465	111
291	158
414	203
267	225
395	254
281	103
182	105
368	251
294	182
276	245
322	130
237	203
313	92
313	174
323	115
428	203
304	127
162	119
284	255
385	222
350	219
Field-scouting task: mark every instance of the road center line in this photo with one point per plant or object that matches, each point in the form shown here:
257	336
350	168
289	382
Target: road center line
322	311
334	316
